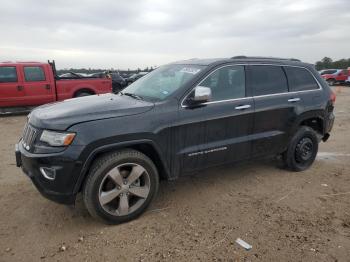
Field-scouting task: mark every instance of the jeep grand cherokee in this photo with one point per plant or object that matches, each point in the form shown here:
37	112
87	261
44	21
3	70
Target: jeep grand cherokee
178	119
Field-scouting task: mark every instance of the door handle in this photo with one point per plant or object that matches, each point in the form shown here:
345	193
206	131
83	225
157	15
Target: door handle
47	86
243	107
292	100
19	88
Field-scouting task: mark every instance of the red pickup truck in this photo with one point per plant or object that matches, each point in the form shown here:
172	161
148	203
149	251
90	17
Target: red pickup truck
28	84
334	76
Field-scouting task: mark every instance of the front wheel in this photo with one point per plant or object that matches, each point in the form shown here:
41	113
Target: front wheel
120	186
302	149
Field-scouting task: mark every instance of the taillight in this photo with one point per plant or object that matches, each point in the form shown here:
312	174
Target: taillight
333	97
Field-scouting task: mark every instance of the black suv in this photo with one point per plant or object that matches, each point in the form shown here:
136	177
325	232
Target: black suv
135	77
118	82
180	118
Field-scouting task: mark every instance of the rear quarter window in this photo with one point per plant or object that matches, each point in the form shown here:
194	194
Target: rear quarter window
34	73
8	74
266	80
300	79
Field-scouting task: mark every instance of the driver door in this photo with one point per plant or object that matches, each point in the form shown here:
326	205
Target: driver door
217	131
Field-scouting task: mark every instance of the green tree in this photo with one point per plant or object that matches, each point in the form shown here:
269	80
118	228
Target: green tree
327	62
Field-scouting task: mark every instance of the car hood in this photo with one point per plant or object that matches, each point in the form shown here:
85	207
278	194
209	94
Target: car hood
62	115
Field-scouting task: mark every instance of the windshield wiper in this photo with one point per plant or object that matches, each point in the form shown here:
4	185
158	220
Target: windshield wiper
132	95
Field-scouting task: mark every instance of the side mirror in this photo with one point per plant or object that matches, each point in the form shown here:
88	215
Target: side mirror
201	94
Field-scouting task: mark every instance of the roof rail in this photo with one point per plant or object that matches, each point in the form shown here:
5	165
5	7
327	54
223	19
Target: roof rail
263	57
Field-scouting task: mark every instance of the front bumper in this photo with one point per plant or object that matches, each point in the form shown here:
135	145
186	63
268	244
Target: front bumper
66	166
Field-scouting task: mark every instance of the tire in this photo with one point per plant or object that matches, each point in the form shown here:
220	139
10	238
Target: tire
116	88
331	82
113	173
302	150
81	94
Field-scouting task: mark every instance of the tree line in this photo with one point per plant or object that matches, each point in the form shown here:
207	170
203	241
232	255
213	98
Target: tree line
328	62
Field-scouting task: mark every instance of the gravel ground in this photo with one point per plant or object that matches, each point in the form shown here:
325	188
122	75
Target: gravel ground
285	216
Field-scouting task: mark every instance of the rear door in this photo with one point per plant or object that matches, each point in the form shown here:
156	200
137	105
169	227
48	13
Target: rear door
37	84
275	108
303	86
11	90
218	131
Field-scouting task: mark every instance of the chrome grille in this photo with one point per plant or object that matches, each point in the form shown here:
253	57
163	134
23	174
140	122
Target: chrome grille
28	137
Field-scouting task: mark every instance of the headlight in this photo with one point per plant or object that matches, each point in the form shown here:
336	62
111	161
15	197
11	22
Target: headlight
57	138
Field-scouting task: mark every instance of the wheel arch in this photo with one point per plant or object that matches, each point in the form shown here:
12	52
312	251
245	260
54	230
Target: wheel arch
147	147
314	119
83	89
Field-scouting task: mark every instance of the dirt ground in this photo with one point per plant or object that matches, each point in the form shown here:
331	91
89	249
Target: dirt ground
285	216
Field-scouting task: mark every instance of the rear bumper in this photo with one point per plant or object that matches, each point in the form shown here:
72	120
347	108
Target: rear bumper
328	127
61	188
329	123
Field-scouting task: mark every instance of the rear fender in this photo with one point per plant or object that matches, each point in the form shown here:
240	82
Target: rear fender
315	114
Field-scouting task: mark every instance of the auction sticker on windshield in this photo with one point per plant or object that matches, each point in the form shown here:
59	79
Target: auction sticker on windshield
190	70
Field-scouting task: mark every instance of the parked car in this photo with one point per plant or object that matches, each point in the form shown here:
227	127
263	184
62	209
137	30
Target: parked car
335	76
347	82
134	77
31	84
179	119
98	75
125	75
71	75
118	82
328	71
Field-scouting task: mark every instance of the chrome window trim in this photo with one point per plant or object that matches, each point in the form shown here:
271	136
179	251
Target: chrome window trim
250	97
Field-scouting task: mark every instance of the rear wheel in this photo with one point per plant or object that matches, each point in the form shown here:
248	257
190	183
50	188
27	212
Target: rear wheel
120	186
302	150
83	93
331	82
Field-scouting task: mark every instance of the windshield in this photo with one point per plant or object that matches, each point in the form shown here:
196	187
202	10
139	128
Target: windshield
162	82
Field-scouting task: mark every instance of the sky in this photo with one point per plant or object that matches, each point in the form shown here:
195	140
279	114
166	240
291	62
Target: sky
141	33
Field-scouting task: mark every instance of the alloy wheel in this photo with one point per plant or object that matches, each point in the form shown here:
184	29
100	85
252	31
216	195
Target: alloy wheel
124	189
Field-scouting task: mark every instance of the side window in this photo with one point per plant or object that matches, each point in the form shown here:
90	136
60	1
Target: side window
8	74
267	80
226	83
300	79
34	73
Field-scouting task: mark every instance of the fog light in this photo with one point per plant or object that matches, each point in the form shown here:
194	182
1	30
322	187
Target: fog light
48	173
